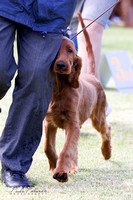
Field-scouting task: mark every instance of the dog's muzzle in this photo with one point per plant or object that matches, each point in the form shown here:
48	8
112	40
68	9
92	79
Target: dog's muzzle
60	65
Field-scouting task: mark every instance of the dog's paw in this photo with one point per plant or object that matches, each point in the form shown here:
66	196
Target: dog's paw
73	169
52	165
51	169
61	176
106	150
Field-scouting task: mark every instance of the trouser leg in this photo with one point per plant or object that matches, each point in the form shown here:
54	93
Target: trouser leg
31	97
7	62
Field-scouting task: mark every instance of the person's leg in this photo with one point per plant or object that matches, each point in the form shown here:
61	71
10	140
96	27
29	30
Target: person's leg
7	62
31	97
91	10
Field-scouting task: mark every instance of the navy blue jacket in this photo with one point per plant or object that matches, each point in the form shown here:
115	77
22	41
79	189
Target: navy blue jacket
51	16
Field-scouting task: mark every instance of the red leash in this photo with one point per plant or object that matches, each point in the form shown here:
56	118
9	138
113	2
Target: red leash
95	19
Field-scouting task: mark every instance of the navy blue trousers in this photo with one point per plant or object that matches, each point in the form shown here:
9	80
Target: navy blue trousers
32	93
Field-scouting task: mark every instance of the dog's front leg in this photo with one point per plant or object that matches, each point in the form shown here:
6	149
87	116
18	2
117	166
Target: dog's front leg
66	156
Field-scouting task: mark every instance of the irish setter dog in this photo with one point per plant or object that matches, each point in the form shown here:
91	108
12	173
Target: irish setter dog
75	99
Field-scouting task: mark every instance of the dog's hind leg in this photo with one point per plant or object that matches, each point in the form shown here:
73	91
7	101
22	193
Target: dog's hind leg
101	125
49	145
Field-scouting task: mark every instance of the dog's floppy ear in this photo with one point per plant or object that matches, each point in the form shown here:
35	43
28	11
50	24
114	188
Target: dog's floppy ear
73	78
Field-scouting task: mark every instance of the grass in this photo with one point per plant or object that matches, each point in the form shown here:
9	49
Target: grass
96	179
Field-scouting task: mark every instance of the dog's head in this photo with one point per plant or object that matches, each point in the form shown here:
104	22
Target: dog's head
68	63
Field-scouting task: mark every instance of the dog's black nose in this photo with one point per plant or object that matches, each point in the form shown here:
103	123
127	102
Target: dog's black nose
60	65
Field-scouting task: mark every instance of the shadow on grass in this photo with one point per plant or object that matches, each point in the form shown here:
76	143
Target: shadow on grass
125	128
105	176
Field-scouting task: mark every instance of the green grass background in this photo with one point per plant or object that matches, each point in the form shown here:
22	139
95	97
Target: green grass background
96	179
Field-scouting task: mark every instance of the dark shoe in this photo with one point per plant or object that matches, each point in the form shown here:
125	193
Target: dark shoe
14	178
0	109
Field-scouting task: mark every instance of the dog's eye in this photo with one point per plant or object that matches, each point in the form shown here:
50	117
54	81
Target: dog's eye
69	50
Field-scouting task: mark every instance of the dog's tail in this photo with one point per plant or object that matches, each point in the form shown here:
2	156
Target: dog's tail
88	46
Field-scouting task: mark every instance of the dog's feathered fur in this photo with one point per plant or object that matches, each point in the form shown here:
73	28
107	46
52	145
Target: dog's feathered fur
75	99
